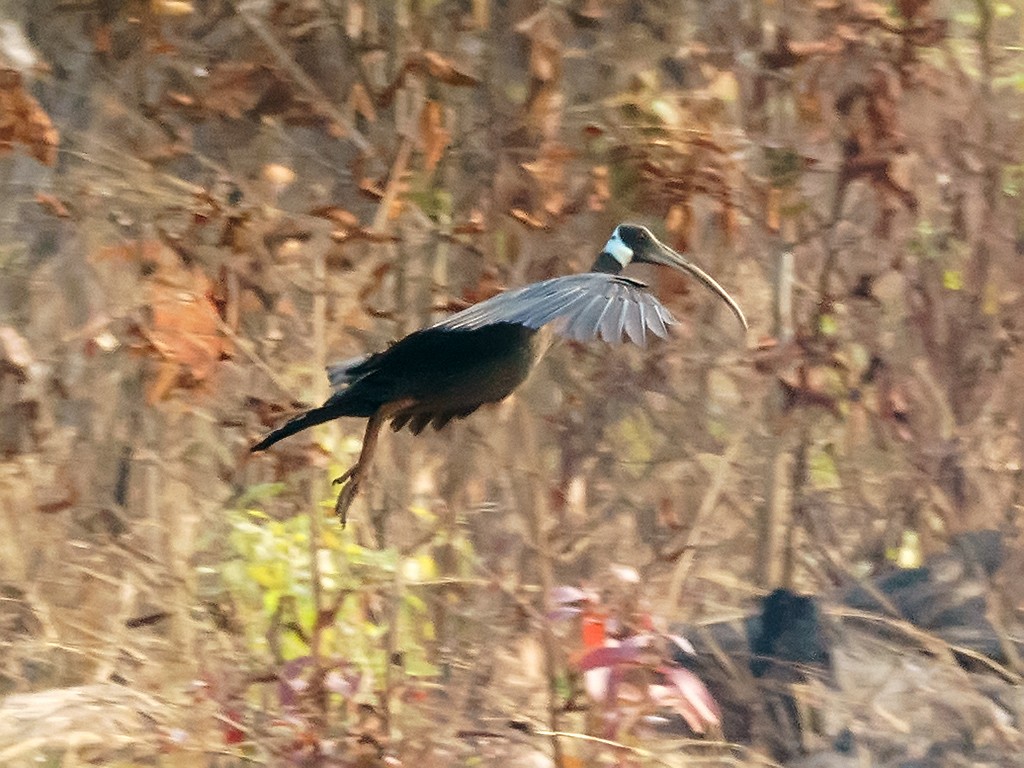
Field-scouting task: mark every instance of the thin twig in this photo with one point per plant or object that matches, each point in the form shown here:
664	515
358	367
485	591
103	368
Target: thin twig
538	515
707	506
318	251
380	218
647	754
246	12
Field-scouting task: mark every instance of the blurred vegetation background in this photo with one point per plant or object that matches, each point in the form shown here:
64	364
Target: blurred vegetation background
206	201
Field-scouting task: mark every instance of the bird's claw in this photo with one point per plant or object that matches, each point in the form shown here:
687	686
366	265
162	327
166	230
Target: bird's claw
345	476
345	497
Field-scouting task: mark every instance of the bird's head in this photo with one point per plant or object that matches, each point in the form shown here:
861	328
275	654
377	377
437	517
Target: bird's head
634	243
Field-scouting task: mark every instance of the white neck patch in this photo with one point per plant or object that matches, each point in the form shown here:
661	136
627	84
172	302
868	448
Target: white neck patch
617	249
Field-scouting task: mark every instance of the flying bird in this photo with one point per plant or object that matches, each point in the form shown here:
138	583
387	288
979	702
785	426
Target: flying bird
481	354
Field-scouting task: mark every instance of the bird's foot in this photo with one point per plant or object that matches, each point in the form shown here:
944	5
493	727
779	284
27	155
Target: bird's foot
346	497
353	476
347	474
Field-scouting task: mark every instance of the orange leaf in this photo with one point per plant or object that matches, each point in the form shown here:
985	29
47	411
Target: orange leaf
160	387
185	328
185	325
524	217
678	223
433	135
541	29
233	88
600	188
145	251
278	175
23	121
773	216
593	629
360	101
440	68
339	216
52	205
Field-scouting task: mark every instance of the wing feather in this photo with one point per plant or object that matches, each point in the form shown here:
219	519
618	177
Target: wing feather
581	326
635	328
655	322
587	306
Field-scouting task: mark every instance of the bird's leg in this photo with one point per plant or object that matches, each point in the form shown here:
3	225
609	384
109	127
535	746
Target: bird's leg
358	472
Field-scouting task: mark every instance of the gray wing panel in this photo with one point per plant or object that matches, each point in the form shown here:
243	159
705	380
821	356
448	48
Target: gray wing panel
587	306
340	374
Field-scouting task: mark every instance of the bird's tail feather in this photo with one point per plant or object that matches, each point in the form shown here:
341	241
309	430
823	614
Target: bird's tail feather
299	423
360	400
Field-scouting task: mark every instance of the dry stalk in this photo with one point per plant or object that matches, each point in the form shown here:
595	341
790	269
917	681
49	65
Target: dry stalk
707	506
246	12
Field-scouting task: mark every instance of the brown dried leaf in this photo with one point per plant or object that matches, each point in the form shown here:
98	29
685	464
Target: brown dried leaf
338	215
179	99
184	329
870	10
234	87
368	235
678	223
773	212
371	188
549	172
52	205
160	386
806	49
14	349
278	175
440	68
525	217
474	225
145	251
433	135
171	7
359	101
544	110
102	41
541	29
600	188
23	121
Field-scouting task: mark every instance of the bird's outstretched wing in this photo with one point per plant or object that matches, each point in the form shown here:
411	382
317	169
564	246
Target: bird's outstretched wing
582	307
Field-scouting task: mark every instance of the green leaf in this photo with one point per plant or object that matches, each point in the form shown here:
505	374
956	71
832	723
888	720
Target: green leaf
415	602
827	325
261	492
824	475
270	575
419	568
416	665
634	438
952	280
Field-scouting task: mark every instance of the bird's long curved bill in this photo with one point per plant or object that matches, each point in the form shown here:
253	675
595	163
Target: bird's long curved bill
670	258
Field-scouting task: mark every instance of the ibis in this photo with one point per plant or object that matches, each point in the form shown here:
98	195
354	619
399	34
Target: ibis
482	354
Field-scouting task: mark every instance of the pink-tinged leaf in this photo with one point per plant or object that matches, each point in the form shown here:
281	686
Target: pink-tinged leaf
609	656
668	696
625	573
684	645
695	694
596	683
561	614
564	595
640	640
611	719
343	684
290	682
